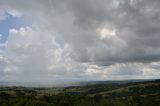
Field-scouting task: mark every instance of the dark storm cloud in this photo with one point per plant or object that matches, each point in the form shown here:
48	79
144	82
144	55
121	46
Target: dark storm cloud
137	24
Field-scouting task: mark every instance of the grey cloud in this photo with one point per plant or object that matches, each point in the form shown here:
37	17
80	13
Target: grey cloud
86	32
127	69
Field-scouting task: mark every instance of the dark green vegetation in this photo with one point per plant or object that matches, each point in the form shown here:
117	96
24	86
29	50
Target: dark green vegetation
145	93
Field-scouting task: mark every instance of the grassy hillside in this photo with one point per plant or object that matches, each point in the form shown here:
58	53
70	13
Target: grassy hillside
146	93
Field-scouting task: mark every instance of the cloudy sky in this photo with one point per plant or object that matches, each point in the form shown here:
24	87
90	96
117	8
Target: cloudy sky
79	40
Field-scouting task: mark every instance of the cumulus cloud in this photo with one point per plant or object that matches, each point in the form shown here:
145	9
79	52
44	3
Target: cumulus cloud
77	39
34	55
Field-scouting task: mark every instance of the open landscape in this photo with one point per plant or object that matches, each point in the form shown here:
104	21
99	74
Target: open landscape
79	52
106	93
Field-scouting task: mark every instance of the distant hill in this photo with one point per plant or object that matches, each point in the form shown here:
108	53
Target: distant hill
94	93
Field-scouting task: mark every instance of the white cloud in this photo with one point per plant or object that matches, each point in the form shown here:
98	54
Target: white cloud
31	52
14	13
103	40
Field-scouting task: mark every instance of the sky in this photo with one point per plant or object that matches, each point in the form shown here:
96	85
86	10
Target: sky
79	40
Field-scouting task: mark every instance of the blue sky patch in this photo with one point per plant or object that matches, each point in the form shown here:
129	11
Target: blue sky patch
11	22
